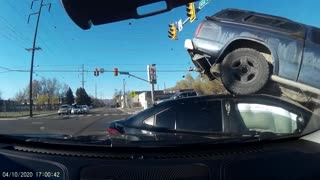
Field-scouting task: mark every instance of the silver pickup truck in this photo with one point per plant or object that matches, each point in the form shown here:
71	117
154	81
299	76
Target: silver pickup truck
245	49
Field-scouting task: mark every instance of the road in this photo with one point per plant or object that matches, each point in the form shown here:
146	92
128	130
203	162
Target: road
95	122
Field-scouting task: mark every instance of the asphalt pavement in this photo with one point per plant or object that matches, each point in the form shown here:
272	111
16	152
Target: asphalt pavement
95	122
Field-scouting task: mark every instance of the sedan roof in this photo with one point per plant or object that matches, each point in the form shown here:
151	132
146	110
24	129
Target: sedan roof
96	12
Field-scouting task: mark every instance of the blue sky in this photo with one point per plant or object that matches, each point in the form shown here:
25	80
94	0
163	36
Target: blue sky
127	47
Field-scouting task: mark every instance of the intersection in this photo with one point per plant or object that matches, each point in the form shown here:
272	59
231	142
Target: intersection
95	122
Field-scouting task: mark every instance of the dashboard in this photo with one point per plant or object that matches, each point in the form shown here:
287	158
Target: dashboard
292	159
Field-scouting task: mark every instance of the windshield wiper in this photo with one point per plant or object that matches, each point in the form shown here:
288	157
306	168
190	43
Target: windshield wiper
54	139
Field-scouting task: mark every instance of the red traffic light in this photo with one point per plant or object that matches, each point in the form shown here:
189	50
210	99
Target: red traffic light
115	71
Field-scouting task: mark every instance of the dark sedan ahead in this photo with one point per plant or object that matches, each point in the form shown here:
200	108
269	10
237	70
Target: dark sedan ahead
216	114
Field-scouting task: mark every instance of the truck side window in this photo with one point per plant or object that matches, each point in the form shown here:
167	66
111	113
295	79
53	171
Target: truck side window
315	37
283	25
229	14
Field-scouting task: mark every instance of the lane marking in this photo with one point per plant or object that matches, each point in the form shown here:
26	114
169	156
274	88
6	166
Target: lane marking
89	115
38	123
106	114
81	115
73	116
98	114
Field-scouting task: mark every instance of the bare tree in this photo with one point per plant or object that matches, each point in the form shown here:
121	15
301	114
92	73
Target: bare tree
21	96
50	88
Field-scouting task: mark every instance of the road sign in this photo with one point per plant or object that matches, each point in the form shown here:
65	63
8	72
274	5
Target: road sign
152	76
203	3
180	25
132	94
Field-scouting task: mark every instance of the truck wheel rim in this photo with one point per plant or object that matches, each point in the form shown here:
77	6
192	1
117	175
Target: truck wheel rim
244	69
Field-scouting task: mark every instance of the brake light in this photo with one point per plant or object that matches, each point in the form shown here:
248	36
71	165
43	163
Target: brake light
113	131
198	30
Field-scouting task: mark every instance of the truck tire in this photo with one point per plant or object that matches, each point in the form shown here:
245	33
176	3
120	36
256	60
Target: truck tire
244	71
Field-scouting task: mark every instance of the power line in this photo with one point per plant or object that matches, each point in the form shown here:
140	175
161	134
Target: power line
99	65
80	71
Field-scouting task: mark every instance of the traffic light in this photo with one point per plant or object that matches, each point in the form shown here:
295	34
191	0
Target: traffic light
115	70
191	12
172	32
97	71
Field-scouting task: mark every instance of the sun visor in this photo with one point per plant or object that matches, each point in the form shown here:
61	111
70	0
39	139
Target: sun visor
86	13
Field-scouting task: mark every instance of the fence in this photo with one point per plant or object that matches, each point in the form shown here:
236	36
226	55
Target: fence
12	106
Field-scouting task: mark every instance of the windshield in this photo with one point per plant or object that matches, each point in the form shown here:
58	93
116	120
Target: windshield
228	68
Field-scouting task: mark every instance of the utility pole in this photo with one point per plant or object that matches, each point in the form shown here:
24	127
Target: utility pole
124	93
34	46
82	75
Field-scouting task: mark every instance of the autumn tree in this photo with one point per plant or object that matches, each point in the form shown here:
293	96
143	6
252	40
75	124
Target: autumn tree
201	84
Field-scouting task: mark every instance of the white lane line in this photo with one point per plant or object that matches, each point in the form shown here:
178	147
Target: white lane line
106	114
81	115
73	116
89	115
98	114
37	123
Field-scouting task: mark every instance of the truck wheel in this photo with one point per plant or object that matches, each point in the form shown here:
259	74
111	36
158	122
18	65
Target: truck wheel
244	71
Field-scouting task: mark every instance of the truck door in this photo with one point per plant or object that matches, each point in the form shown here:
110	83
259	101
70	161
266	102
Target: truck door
310	67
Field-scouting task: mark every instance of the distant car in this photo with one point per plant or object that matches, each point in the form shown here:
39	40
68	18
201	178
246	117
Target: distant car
219	113
76	109
184	94
244	48
64	109
85	109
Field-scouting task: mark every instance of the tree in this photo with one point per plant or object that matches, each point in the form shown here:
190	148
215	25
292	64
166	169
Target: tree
49	88
82	97
69	97
202	85
21	96
42	99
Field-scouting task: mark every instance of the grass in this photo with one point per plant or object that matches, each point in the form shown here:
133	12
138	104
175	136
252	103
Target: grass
23	114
